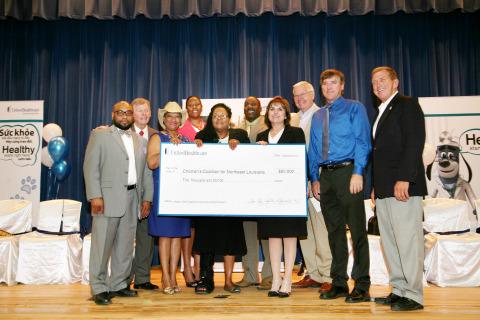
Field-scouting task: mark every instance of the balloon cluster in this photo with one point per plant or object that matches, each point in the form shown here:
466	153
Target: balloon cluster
53	155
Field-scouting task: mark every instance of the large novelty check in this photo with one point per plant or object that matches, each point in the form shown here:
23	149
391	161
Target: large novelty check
252	180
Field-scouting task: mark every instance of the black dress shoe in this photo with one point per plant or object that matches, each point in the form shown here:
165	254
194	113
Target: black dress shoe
126	292
145	286
102	298
388	300
358	295
334	293
406	304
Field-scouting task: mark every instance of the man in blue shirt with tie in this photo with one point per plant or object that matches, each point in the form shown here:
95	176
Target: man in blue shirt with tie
340	145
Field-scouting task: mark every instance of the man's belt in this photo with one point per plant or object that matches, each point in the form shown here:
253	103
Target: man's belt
132	186
338	165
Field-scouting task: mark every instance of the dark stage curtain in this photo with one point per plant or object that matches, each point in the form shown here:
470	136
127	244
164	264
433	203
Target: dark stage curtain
82	67
181	9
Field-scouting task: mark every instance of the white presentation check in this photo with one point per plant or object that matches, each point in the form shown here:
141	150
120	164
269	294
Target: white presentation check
252	180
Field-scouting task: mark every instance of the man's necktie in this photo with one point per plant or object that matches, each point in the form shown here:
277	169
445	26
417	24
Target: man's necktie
126	132
141	133
325	132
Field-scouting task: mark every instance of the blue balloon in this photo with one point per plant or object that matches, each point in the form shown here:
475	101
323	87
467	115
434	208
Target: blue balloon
61	169
58	148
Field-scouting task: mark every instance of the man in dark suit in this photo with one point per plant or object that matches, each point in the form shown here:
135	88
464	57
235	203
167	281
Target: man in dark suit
120	187
144	243
398	139
254	123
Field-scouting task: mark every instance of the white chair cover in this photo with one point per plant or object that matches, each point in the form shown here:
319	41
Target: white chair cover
16	215
369	210
49	259
9	259
445	215
87	243
453	260
52	213
378	267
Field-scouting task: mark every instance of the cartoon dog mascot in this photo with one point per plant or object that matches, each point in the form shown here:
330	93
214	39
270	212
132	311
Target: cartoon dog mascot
449	184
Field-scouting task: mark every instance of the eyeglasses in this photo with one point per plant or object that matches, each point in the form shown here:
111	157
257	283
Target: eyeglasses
220	116
120	113
301	95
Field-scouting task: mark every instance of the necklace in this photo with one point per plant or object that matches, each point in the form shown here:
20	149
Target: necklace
199	126
170	137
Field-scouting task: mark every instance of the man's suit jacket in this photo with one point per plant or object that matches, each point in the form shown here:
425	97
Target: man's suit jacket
290	135
151	132
106	171
295	122
256	129
398	147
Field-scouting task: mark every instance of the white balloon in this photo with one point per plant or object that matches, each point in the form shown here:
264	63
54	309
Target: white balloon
429	154
50	131
47	160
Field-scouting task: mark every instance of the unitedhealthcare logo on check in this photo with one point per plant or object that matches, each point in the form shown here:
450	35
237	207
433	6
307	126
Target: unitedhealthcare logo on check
169	151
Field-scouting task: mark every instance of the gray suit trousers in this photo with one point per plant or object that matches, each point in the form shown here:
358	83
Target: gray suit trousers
113	235
402	239
315	247
144	244
250	260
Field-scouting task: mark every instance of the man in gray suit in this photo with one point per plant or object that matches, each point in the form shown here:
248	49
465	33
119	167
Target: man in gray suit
315	248
254	124
144	243
120	187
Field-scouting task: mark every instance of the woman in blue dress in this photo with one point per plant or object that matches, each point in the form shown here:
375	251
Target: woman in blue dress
170	230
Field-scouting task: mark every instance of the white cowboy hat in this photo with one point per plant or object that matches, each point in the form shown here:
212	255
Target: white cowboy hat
173	107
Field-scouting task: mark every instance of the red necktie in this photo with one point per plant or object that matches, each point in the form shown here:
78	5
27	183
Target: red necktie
141	133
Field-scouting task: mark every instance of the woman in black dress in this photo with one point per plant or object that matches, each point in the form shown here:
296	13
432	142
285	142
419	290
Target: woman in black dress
277	119
219	235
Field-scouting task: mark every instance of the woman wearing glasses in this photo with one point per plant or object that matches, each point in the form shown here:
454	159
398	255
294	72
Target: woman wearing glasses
170	230
220	235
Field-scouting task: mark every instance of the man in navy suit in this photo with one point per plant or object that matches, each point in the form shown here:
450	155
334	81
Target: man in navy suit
398	139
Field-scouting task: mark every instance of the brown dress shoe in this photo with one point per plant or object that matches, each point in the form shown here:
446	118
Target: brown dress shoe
306	282
326	286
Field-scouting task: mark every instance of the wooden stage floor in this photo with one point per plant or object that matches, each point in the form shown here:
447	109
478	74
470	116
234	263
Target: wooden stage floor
71	302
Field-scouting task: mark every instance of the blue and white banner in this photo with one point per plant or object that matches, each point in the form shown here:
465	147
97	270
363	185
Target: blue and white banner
21	124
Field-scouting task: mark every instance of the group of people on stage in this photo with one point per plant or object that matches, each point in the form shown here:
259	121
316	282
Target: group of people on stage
340	141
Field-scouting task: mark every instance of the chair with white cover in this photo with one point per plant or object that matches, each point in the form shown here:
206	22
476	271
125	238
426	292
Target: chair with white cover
453	260
445	215
378	266
15	217
52	259
369	210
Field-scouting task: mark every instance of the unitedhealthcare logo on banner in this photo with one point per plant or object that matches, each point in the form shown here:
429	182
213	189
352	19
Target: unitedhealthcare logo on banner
24	110
470	141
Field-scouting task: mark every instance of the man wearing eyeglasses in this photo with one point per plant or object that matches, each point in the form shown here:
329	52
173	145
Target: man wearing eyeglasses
119	186
315	247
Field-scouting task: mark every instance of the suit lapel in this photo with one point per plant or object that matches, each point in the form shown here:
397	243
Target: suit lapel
385	114
118	140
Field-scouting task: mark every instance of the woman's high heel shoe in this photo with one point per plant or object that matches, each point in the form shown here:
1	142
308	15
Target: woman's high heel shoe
284	294
192	284
274	293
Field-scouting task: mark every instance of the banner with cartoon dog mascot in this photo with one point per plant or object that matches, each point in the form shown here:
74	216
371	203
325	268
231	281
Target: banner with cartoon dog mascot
453	129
